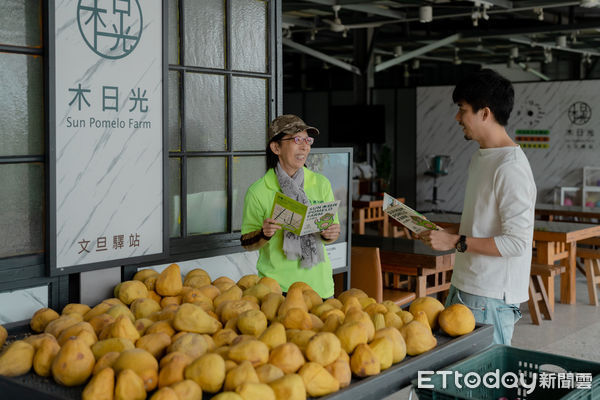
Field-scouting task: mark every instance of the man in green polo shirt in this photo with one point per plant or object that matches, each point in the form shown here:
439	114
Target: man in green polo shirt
284	256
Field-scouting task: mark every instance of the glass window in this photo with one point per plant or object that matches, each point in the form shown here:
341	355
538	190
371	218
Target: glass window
249	35
22	210
204	112
20	23
206	195
16	304
204	33
223	116
249	113
174	197
174	111
246	170
21	105
173	39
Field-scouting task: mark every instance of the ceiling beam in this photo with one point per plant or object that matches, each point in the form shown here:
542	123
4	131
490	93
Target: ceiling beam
530	6
295	21
533	71
498	3
420	51
366	8
504	32
552	46
321	56
449	60
537	29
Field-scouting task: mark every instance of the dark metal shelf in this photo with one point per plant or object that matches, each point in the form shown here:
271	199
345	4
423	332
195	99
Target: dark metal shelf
448	351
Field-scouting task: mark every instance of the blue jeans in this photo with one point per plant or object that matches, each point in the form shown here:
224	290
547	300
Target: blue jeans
489	311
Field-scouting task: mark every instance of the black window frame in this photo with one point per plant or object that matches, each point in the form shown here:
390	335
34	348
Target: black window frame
187	247
26	271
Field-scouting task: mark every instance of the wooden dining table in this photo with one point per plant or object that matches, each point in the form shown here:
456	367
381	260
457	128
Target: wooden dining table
557	241
553	241
430	269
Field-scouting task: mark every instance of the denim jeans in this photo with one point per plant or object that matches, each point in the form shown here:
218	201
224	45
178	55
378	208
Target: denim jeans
489	311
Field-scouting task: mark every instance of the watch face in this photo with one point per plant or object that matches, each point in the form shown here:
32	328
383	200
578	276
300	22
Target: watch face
461	246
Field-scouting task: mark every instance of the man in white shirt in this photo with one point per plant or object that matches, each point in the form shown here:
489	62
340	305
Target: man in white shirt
494	241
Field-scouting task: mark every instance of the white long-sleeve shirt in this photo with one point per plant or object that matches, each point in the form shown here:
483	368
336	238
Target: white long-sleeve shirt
499	203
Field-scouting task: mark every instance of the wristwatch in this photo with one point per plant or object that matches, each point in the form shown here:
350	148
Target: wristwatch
461	245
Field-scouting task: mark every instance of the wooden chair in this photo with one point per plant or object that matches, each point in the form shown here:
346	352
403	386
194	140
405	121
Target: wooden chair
372	213
366	275
396	230
591	260
538	298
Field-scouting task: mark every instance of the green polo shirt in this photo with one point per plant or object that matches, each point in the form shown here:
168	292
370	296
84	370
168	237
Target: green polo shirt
272	262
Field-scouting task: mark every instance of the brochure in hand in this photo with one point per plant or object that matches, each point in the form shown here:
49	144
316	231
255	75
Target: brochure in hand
408	217
300	218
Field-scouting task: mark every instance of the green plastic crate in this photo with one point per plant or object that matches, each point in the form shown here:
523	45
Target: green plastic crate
507	359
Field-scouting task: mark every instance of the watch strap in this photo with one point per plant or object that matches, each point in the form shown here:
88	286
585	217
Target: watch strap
461	245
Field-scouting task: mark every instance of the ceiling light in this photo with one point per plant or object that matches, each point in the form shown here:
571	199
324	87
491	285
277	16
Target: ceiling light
561	41
397	51
539	11
313	34
416	64
510	63
345	33
547	55
590	3
484	13
457	60
475	17
425	14
377	60
514	52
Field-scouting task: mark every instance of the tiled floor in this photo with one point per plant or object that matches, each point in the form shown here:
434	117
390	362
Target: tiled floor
574	331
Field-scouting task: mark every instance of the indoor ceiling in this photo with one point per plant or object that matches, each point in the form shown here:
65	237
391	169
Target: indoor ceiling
519	33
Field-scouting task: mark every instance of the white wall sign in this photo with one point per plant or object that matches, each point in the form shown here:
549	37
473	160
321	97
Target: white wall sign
338	254
556	123
108	131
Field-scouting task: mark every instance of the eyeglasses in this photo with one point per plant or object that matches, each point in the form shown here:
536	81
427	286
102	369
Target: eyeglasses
299	139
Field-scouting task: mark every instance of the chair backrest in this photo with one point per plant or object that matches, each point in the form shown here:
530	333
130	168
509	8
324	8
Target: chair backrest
375	212
366	271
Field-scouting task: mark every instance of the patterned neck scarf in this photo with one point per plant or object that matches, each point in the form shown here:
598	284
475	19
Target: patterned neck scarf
308	247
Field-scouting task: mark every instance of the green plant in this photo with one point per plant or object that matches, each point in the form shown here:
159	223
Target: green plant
384	164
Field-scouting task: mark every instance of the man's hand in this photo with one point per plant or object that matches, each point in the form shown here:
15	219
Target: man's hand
269	227
332	232
439	240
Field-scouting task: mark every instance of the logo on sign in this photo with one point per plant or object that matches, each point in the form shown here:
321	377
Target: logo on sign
580	113
111	28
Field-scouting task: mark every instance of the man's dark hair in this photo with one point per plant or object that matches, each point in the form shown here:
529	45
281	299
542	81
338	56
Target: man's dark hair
487	88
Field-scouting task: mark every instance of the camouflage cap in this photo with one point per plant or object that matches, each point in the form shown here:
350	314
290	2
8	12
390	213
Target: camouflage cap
290	124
